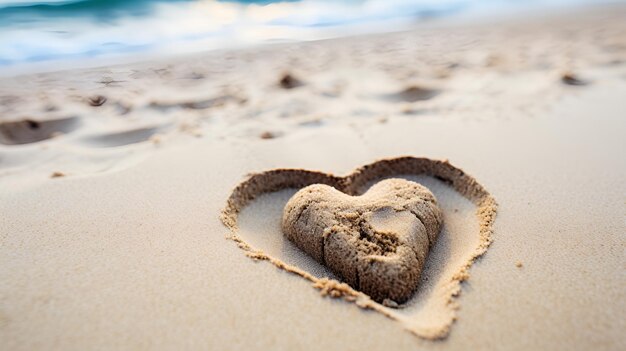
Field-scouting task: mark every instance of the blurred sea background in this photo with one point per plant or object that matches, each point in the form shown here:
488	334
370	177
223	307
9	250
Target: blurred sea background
58	30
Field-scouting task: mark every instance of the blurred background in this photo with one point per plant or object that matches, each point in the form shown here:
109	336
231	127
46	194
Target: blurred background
57	30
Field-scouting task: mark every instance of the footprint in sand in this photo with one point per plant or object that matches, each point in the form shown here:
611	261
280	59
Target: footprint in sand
32	130
128	137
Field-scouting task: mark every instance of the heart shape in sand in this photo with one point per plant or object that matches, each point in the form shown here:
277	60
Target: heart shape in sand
377	242
350	187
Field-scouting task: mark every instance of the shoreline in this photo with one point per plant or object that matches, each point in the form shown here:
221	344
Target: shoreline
355	32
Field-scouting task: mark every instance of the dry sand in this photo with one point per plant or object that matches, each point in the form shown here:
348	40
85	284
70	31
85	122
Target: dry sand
112	181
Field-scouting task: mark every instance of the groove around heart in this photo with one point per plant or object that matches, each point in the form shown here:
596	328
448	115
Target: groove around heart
281	179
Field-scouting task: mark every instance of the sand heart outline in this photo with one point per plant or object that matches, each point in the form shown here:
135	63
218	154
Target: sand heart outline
280	179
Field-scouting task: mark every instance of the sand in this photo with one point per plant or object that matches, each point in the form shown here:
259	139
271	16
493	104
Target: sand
111	237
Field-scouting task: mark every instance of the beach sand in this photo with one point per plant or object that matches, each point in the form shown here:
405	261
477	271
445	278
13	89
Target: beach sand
113	183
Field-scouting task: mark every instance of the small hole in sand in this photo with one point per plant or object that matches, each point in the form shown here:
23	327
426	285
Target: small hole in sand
97	100
269	135
572	79
32	124
288	81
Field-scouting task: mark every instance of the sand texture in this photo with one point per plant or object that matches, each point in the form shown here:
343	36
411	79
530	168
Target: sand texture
116	184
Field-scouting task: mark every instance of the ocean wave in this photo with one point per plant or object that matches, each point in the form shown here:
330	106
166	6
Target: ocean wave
12	11
51	30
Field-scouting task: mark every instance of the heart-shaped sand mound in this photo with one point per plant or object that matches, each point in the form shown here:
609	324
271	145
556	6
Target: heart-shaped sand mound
376	242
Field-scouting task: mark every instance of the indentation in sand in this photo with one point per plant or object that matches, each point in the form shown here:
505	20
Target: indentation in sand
469	211
413	94
121	138
289	81
570	78
31	130
97	100
200	104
